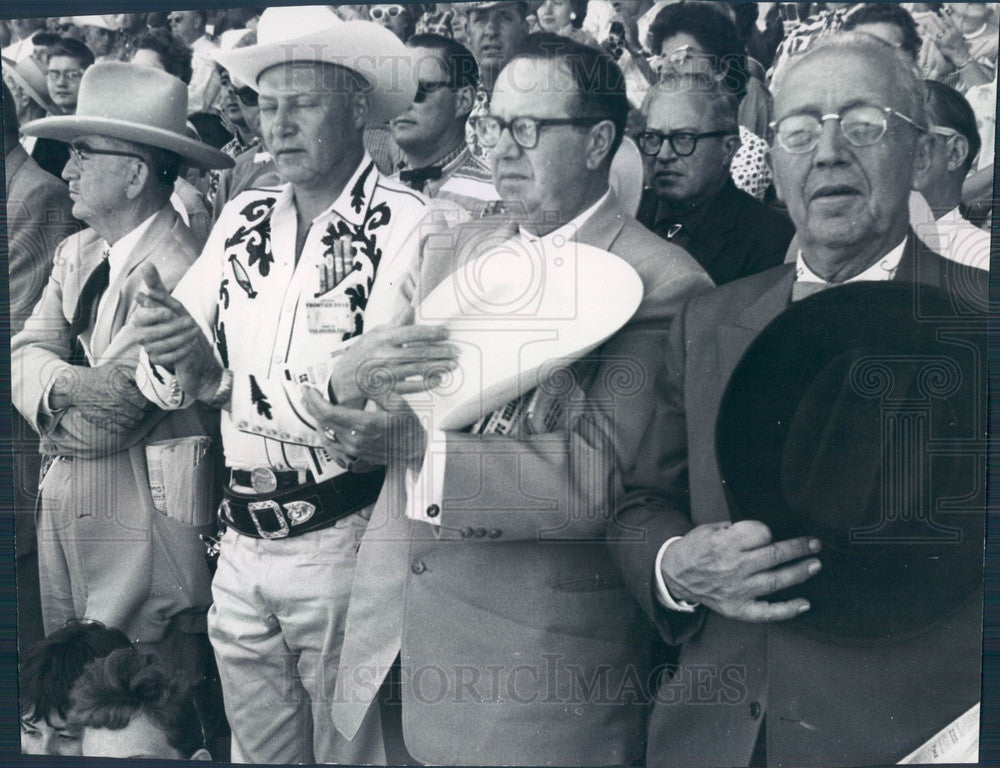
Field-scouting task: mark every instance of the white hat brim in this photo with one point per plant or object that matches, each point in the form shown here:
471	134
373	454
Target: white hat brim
69	127
368	49
506	345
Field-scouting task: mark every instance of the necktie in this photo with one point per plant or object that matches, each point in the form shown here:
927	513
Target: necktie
86	307
417	178
802	289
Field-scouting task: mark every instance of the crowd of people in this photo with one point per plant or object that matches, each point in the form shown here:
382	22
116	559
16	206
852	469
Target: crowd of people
576	382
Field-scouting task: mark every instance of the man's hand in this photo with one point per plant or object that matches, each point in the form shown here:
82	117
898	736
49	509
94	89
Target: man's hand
174	340
392	433
402	360
727	567
105	396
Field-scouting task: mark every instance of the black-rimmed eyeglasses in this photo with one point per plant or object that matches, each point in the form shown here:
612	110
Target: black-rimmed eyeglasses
863	125
82	152
683	143
524	130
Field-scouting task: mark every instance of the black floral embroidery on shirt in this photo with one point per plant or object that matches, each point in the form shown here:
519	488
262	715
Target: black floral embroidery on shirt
221	344
242	279
255	235
224	293
258	398
358	190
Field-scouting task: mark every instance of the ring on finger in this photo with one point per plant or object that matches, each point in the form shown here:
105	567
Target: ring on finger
331	435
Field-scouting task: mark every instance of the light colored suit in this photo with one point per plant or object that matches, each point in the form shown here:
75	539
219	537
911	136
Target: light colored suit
39	216
105	553
823	703
518	642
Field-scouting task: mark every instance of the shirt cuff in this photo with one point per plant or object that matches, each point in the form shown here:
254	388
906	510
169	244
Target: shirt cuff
662	593
425	488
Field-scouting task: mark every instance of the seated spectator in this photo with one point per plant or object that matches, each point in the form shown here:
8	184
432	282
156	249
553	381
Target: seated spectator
398	19
128	705
65	65
960	43
696	38
565	17
888	21
935	210
431	133
46	676
205	88
161	49
691	137
100	33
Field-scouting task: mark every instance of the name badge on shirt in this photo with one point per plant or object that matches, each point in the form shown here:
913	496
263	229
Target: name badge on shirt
333	315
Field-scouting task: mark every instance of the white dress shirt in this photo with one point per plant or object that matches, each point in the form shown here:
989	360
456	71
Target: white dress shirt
425	487
883	269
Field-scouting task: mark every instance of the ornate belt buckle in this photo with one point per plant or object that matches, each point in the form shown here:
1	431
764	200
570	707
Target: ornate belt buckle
263	480
257	506
299	511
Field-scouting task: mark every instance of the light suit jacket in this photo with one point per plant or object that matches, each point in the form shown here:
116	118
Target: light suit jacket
519	644
143	568
824	704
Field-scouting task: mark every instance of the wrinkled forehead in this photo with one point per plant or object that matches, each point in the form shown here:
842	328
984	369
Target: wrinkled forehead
831	79
534	87
305	77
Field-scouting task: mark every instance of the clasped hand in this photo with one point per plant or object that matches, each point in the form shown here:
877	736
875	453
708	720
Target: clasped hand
728	567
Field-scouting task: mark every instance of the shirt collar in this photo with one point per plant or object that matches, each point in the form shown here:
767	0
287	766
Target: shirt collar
567	231
119	253
447	161
883	269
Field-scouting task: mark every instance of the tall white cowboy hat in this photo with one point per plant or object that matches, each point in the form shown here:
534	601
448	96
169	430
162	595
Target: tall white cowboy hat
133	103
519	313
317	34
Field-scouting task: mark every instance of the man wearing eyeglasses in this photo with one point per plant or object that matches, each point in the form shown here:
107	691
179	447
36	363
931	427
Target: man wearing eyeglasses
483	570
690	139
851	143
66	64
106	552
431	132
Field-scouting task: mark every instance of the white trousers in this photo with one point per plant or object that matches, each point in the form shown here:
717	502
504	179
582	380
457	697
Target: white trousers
277	626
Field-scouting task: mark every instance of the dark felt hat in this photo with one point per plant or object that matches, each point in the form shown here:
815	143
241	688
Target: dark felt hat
858	416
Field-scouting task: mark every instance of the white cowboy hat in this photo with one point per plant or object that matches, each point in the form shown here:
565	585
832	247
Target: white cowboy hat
103	22
517	313
316	33
29	77
133	103
626	175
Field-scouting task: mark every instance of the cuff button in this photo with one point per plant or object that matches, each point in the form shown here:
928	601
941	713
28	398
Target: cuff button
433	510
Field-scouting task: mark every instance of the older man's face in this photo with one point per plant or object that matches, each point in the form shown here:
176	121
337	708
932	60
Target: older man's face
494	35
840	196
98	182
187	25
537	179
306	120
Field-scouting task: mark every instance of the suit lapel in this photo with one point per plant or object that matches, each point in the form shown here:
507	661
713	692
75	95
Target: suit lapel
115	312
604	225
736	337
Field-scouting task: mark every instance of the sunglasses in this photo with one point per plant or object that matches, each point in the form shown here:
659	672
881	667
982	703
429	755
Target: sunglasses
390	11
426	89
246	95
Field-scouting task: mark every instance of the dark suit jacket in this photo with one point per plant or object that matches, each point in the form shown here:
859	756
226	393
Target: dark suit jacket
519	644
823	704
732	235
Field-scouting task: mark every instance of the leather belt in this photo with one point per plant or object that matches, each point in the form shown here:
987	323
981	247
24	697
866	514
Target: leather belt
267	480
301	509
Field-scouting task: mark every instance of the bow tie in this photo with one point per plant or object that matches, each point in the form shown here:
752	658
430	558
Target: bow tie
417	178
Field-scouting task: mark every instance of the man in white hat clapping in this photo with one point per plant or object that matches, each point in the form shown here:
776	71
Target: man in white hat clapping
290	289
105	552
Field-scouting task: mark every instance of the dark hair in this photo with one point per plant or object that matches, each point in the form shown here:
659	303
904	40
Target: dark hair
950	109
45	39
599	82
173	53
127	684
67	46
716	34
458	60
887	13
579	8
50	667
10	122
